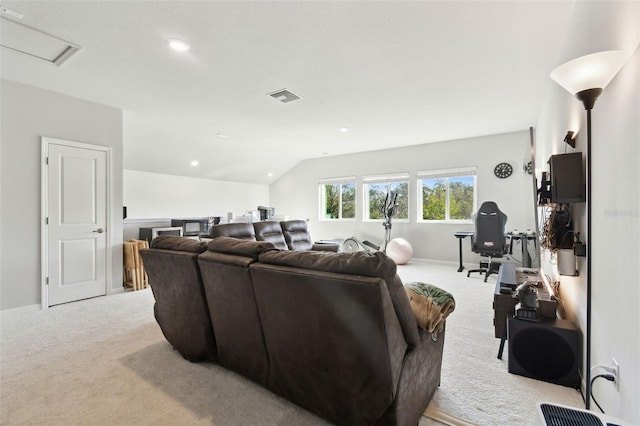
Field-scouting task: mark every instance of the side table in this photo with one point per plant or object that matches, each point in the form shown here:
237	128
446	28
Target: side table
460	235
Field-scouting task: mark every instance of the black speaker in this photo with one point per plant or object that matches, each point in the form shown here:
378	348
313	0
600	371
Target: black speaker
545	350
567	178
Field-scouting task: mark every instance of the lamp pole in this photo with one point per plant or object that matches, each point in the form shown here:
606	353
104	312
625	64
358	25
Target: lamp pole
588	98
586	77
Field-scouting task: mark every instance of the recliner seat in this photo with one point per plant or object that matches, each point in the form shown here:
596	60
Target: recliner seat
271	232
181	309
286	235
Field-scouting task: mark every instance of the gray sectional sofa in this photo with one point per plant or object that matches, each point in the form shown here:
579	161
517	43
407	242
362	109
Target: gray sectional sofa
331	332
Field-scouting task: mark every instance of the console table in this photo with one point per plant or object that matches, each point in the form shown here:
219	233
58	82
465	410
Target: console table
509	277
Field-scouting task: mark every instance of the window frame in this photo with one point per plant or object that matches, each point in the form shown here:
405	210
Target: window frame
349	180
387	179
446	174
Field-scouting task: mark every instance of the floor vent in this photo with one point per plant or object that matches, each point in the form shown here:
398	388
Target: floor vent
558	415
284	96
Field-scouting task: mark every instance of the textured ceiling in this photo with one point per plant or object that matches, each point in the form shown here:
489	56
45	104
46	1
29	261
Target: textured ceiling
396	73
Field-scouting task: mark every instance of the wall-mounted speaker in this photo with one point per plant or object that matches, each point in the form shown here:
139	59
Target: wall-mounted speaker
567	178
545	350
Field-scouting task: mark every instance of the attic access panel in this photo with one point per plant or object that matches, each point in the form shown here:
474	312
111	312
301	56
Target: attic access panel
33	42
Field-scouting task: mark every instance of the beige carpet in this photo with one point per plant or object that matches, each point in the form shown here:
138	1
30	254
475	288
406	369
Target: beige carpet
105	361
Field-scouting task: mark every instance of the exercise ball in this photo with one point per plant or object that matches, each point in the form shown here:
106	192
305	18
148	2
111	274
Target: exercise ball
399	250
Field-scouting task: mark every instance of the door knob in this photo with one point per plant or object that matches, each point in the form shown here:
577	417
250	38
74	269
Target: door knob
99	230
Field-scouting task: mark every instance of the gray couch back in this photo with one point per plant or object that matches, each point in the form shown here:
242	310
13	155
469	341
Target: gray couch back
180	309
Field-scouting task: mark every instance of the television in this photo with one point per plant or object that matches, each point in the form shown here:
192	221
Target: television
266	213
192	227
567	178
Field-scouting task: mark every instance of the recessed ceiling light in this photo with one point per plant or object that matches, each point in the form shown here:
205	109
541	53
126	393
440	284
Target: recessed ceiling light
178	45
344	129
269	174
194	163
220	135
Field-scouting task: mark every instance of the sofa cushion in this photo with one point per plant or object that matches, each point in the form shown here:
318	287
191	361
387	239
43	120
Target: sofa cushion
171	242
296	235
366	264
272	232
234	246
359	263
242	230
431	305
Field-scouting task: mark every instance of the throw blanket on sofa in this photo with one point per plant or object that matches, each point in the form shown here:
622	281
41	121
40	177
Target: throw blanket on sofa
431	305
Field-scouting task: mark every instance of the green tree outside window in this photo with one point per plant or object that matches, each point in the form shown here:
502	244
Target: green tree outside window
378	193
339	201
448	198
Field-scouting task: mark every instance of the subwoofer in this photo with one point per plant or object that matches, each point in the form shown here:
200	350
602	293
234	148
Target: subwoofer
545	350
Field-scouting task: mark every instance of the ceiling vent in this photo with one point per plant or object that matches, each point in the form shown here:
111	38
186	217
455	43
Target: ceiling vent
30	41
284	96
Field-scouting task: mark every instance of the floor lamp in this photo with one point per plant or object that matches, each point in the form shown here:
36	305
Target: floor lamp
586	77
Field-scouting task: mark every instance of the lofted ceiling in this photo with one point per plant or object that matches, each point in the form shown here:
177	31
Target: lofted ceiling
395	73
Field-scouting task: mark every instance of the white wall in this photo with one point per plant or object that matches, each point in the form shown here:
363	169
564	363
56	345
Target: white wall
296	193
27	113
153	195
598	26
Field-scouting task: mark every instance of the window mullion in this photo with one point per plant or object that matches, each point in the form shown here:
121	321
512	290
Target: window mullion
340	201
446	202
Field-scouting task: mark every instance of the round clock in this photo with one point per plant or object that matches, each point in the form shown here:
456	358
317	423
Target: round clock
503	170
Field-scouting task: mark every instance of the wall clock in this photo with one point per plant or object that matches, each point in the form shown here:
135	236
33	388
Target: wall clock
503	170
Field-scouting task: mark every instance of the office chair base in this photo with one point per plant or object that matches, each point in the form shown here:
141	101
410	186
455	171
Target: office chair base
492	268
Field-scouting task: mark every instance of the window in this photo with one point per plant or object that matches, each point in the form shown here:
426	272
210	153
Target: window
376	189
447	195
338	199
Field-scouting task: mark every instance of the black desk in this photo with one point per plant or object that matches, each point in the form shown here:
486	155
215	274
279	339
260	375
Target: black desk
460	235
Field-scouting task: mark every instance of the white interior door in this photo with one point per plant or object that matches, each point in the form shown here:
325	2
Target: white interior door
75	220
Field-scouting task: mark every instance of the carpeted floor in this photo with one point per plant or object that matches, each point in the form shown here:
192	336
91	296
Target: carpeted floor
105	361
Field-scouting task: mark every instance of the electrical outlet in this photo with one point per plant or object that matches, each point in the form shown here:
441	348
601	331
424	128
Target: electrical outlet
616	373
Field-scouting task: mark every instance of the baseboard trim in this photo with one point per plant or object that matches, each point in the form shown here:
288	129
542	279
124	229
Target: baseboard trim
28	308
442	417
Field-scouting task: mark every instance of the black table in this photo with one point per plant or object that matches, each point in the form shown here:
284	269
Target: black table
460	235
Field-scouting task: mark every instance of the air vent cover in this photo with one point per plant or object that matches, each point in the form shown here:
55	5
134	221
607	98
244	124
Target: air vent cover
559	415
33	42
284	96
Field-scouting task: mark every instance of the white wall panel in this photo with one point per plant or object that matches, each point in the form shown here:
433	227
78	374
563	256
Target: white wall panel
296	193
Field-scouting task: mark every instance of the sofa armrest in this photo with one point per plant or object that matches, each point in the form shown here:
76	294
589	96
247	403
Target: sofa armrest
419	379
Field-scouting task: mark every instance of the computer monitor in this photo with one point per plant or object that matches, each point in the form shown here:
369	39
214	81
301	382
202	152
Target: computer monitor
266	213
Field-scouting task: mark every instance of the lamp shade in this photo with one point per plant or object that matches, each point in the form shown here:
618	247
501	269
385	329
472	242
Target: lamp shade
592	71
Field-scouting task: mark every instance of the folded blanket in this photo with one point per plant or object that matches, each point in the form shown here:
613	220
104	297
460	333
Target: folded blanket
431	305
